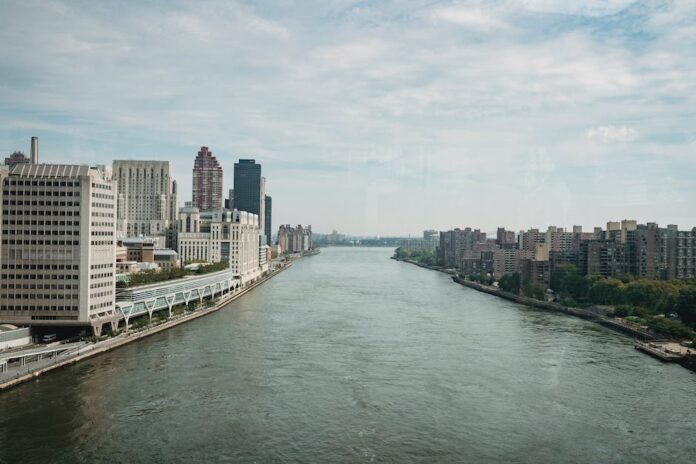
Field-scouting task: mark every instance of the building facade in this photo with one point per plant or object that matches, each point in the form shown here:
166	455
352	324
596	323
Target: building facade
57	251
268	202
147	197
207	181
231	236
16	158
247	186
295	239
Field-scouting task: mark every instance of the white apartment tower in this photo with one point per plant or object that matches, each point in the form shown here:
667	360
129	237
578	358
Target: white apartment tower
57	246
147	203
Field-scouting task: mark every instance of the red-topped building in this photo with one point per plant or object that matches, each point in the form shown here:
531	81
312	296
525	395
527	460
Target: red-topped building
207	181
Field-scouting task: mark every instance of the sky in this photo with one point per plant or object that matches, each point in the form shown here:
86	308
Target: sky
375	117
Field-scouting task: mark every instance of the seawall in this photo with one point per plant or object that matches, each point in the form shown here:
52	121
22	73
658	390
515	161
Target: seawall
129	337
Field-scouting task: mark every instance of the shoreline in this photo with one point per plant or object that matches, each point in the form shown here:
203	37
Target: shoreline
125	338
605	321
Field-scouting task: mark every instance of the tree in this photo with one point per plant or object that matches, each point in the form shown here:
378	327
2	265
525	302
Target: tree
655	296
606	291
567	280
534	290
510	283
686	305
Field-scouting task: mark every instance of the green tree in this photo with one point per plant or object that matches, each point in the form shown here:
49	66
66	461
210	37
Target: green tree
510	283
606	291
534	290
686	305
567	280
656	297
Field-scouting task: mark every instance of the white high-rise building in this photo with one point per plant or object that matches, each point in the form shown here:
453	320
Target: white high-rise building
57	247
147	203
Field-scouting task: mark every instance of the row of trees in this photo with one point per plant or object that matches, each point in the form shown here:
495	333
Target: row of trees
640	300
422	256
644	296
155	276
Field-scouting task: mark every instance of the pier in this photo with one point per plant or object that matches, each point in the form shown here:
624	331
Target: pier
665	350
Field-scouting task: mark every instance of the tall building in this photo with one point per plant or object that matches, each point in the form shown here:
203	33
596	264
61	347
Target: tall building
528	240
505	237
295	239
229	201
262	212
653	251
147	200
16	158
453	243
267	223
57	250
247	186
686	253
207	181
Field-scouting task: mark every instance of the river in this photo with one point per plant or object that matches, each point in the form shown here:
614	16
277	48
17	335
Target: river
349	356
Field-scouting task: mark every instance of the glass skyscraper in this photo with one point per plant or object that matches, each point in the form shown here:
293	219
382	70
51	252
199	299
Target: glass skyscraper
247	186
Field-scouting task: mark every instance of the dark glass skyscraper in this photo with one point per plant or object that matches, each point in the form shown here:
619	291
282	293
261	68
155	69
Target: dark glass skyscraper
247	186
267	224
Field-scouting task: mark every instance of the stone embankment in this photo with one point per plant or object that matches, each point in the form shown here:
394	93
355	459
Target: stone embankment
552	306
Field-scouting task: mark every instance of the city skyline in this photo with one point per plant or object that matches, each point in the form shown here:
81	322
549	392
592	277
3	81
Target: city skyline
368	117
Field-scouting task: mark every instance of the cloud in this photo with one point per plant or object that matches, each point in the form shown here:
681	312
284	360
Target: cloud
612	134
433	98
592	8
464	15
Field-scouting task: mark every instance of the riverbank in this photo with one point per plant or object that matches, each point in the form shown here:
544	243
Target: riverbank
613	323
122	339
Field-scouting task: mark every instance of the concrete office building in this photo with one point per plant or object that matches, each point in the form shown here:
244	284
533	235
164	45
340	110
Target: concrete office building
207	181
57	249
147	198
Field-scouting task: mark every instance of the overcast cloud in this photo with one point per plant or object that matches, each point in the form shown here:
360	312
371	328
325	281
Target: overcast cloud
382	117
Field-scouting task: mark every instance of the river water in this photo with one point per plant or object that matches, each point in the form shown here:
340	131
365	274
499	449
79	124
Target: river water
349	356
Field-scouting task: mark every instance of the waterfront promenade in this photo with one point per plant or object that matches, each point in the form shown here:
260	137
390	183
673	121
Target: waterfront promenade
11	376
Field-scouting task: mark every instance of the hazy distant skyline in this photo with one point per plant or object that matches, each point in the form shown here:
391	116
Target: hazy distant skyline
379	117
